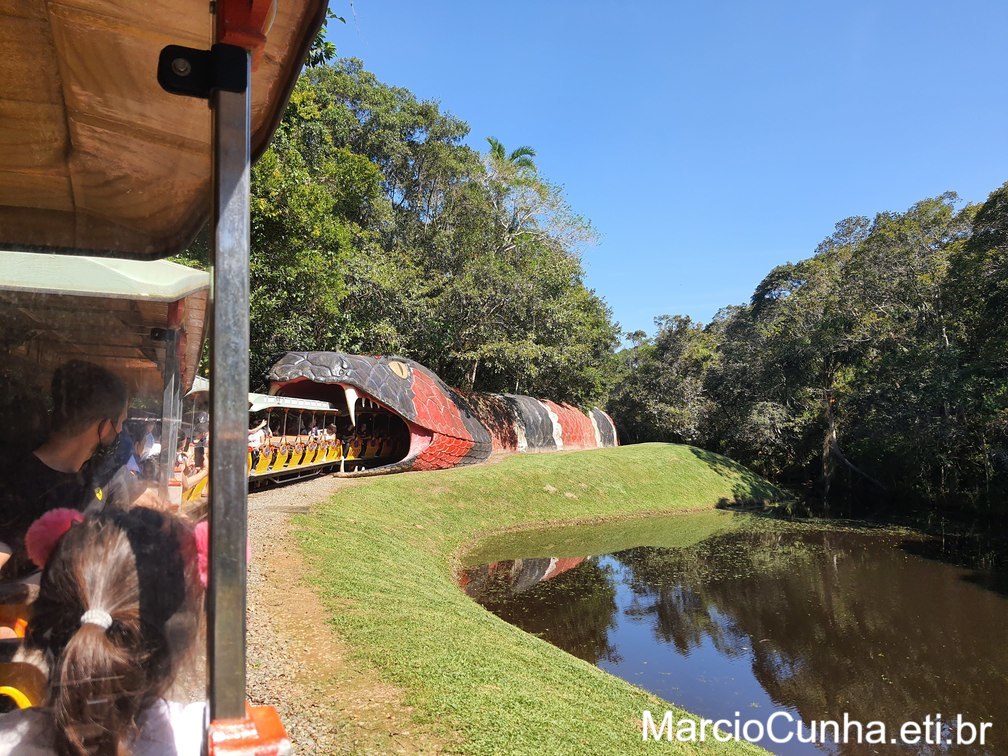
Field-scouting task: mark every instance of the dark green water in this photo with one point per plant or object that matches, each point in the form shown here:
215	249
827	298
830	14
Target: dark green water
814	622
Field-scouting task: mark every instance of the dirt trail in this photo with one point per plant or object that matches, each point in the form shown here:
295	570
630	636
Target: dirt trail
297	662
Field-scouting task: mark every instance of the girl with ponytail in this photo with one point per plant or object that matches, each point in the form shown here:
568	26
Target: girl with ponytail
118	611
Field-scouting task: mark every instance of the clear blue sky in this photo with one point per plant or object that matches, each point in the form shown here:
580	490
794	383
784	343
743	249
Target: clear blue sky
708	142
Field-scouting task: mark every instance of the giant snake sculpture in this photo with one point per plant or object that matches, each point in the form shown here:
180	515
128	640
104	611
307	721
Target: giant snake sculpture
432	425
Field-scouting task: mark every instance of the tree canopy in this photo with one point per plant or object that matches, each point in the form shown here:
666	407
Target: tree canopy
375	229
874	373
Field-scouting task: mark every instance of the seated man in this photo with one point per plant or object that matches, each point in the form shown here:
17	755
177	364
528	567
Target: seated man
70	468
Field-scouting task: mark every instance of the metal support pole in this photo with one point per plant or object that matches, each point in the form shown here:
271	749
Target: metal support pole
171	412
229	369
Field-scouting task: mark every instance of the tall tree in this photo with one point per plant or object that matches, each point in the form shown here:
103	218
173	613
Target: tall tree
375	229
872	373
518	161
662	395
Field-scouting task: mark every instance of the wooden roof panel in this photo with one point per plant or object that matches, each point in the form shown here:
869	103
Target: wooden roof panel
23	9
34	149
164	18
118	177
28	72
38	192
95	158
91	46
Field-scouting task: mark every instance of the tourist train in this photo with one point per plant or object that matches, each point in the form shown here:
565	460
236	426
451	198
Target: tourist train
358	415
129	128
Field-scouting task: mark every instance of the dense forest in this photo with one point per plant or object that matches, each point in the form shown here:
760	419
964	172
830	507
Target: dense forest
376	230
872	376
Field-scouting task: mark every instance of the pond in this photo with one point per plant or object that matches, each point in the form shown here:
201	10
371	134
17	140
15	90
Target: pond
817	622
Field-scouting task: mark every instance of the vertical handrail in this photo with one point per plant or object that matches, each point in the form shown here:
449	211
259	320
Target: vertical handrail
229	396
171	411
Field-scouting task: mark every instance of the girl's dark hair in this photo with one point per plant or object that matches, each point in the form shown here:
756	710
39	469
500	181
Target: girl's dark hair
140	567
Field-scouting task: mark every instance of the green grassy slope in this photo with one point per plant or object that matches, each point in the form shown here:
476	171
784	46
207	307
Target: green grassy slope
385	551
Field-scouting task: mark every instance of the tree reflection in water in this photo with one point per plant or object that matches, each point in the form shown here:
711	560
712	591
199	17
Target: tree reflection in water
572	608
826	622
835	622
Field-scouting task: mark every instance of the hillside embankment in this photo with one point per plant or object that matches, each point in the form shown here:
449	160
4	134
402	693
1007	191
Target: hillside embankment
361	637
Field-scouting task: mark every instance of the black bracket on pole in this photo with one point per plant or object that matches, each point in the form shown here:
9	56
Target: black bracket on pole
197	73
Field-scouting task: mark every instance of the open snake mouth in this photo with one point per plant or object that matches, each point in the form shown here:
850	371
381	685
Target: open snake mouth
389	413
373	437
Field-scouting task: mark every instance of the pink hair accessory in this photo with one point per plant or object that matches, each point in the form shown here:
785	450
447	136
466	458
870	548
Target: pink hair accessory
202	535
45	532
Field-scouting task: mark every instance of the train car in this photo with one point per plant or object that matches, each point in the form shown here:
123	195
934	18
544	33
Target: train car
289	438
125	128
354	415
144	321
397	415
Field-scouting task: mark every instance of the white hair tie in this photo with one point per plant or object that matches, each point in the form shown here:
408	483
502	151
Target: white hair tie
97	617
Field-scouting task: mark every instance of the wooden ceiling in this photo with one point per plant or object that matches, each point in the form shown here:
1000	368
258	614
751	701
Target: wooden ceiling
95	158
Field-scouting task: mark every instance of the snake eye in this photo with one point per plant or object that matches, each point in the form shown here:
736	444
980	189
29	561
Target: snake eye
399	368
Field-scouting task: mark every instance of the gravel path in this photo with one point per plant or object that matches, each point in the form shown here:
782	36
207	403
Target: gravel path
328	702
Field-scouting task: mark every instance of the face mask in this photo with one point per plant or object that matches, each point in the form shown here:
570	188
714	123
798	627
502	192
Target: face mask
106	453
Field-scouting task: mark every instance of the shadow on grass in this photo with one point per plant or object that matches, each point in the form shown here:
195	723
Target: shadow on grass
749	490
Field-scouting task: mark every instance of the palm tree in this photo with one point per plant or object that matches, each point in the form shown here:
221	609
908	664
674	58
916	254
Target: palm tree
519	161
515	191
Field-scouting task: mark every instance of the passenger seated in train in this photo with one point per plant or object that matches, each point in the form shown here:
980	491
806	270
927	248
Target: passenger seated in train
75	466
148	450
257	435
329	434
200	438
256	440
186	471
117	615
127	452
193	478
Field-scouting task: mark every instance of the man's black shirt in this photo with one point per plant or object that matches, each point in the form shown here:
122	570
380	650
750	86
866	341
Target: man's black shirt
29	488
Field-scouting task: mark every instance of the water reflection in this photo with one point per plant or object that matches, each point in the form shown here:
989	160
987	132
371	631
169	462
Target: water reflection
571	608
816	622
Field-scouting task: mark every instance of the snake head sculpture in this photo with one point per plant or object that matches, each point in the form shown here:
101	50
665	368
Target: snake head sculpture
428	424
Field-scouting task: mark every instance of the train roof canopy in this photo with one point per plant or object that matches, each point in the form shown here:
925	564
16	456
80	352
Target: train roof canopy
259	402
96	158
154	281
111	312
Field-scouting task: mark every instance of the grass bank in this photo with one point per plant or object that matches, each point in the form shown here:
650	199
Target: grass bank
383	555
